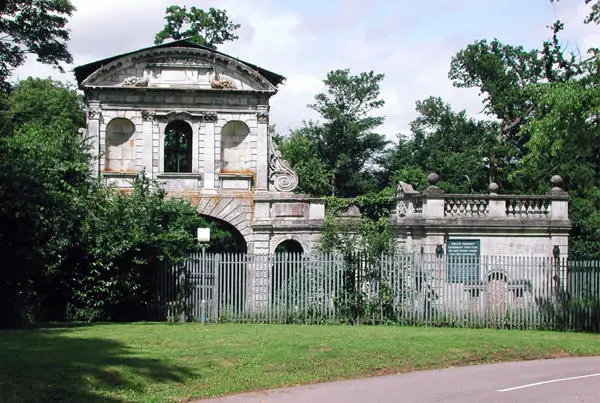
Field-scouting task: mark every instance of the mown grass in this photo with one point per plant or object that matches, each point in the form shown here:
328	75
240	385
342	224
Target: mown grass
153	362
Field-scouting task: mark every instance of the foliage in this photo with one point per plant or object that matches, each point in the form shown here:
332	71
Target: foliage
463	151
178	148
209	28
44	173
45	102
33	27
125	241
300	151
344	145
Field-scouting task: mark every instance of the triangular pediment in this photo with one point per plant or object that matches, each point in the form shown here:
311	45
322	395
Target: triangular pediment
177	67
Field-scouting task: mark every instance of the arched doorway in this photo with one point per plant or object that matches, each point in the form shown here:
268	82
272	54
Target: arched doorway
178	147
289	246
225	238
287	281
226	253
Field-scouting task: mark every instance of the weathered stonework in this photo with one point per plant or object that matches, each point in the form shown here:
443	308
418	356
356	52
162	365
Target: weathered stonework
235	172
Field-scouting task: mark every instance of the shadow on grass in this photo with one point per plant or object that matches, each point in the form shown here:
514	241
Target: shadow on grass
48	365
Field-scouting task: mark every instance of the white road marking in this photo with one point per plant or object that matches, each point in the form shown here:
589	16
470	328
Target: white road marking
529	385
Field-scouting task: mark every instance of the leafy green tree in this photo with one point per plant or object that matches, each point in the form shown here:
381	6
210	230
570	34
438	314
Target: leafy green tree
345	142
300	151
44	173
462	150
209	28
33	27
504	73
125	241
45	102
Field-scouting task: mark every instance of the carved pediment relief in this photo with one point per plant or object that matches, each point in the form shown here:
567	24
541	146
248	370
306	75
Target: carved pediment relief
178	68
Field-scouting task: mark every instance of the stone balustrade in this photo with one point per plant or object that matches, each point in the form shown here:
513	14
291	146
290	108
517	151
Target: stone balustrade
434	203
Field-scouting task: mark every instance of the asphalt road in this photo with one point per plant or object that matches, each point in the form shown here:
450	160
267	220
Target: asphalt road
556	380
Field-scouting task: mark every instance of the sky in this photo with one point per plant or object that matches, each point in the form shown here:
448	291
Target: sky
410	42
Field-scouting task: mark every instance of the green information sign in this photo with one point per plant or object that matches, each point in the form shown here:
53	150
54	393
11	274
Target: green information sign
463	260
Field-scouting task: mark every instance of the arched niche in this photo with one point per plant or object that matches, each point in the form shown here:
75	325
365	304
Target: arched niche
235	150
120	145
178	147
286	272
289	246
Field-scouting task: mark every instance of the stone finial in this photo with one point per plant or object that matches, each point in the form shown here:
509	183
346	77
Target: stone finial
494	188
433	178
556	182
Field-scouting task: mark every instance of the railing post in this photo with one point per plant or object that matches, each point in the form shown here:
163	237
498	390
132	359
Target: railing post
496	206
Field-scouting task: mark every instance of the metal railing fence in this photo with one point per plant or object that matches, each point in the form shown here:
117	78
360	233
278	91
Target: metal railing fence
467	291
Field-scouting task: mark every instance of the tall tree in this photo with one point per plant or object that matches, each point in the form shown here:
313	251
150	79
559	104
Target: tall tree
504	73
462	150
209	28
33	27
345	142
45	102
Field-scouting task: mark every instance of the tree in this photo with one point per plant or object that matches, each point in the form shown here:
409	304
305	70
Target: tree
345	142
45	102
300	151
44	174
125	241
504	73
35	27
209	28
462	150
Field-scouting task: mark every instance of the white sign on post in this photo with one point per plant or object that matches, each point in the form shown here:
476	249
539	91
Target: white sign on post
203	234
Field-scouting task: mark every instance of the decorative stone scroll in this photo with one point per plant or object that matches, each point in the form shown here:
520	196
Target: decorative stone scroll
281	175
134	81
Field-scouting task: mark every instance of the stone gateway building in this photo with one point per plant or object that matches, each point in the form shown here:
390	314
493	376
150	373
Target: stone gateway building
197	120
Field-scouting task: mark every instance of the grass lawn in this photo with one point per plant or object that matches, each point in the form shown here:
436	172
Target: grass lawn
153	362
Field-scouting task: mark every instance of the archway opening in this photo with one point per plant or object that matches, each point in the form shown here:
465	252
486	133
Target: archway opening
286	274
224	237
289	246
230	266
178	147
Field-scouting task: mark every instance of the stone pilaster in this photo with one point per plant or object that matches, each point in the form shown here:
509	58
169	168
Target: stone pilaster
262	151
209	151
93	133
147	130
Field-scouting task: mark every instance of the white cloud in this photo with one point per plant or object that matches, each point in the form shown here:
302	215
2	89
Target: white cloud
410	42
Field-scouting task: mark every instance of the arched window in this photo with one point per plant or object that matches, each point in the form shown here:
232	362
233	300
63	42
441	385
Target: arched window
120	151
235	152
178	147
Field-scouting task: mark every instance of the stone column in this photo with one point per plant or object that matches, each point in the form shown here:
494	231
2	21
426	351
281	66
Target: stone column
262	151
